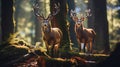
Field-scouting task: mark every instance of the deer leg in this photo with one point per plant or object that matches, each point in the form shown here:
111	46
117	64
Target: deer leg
51	48
79	45
47	47
90	49
52	51
86	47
56	50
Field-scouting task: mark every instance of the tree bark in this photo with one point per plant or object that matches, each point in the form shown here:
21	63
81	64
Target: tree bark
7	24
99	22
71	6
118	9
38	31
0	25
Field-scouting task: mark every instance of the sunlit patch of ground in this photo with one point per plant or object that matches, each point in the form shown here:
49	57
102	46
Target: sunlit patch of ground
100	54
93	54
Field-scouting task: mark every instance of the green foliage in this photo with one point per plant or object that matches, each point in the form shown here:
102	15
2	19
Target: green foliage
113	14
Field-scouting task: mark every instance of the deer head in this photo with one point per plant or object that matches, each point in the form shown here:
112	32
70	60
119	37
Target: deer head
79	21
46	21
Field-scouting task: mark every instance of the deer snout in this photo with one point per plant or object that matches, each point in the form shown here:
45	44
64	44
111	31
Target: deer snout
78	23
45	25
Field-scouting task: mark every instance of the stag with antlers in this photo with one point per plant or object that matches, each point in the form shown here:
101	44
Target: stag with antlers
84	35
51	36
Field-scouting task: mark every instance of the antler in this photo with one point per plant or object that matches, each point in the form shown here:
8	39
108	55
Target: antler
73	14
39	16
57	9
36	11
82	17
88	13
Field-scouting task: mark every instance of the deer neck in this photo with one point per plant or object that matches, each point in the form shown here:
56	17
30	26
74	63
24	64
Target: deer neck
80	27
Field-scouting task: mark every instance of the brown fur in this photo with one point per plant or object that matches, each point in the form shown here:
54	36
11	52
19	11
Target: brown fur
53	39
52	36
86	36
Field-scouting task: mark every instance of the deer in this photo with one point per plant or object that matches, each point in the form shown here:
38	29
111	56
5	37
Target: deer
51	36
84	35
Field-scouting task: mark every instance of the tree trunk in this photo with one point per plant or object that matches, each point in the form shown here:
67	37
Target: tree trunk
0	25
52	8
7	19
16	13
118	9
38	25
38	31
61	22
99	22
71	6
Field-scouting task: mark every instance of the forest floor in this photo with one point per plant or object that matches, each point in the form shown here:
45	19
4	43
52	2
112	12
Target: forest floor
23	56
17	53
